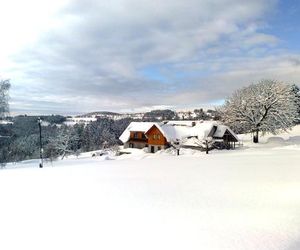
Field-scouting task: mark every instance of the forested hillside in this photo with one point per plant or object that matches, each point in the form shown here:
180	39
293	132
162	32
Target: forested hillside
20	139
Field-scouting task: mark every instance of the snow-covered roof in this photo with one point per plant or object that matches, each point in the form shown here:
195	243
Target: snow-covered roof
221	129
179	130
194	142
135	127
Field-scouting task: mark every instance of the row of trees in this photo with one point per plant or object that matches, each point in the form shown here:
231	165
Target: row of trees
59	140
167	114
101	134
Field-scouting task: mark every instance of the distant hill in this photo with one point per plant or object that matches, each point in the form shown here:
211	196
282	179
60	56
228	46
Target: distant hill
99	113
155	115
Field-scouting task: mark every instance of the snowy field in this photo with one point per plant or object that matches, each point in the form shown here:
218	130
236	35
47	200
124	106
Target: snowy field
241	199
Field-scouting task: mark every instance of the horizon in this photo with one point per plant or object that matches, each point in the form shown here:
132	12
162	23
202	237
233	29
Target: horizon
116	112
128	56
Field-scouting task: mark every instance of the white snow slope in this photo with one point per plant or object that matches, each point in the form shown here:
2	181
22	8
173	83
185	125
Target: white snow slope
243	199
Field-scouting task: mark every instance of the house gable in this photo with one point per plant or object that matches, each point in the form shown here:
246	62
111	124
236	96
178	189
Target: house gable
225	133
155	136
229	137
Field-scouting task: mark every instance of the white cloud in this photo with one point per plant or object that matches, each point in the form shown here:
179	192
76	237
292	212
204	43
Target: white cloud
21	23
93	52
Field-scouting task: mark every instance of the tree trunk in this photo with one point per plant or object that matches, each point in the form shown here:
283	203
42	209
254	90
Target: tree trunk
255	137
63	156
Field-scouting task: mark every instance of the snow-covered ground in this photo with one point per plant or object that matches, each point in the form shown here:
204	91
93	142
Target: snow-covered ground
248	198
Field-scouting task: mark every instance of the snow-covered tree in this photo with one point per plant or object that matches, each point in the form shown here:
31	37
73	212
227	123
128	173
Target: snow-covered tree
268	106
177	145
207	143
296	91
66	142
4	87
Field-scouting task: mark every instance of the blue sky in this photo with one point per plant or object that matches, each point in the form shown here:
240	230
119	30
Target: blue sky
285	24
75	56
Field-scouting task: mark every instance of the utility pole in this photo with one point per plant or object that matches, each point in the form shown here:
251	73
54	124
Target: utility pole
41	143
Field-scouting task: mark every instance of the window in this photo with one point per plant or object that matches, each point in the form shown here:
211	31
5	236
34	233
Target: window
136	135
158	148
156	137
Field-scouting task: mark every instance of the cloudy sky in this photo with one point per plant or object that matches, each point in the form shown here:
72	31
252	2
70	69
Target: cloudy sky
74	56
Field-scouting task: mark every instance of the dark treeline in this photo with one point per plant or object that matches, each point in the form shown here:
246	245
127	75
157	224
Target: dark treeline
20	140
167	114
158	115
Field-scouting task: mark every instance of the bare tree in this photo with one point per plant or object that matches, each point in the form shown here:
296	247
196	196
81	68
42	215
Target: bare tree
268	106
206	144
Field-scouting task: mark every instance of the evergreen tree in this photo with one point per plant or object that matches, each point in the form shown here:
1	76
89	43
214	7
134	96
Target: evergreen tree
296	91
